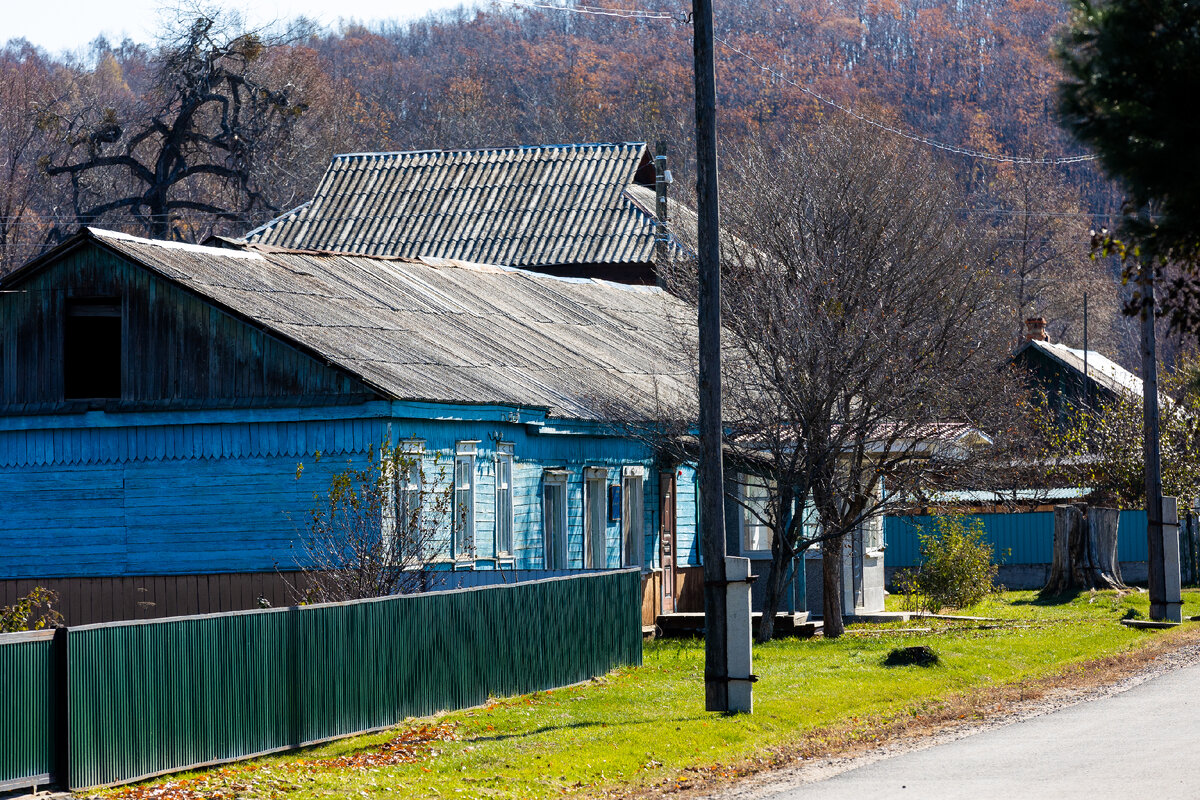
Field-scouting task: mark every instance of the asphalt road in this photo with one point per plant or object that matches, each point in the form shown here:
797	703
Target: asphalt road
1142	743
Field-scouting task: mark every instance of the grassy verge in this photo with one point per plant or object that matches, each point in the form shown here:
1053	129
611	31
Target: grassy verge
644	729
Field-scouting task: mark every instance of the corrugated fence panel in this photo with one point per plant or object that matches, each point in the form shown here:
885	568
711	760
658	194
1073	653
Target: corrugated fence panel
159	696
1015	538
152	697
1132	543
27	708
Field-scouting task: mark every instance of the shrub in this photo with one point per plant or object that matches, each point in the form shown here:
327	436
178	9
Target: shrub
32	612
957	569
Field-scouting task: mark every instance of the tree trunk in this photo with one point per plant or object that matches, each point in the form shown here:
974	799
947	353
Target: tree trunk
1085	550
831	586
772	596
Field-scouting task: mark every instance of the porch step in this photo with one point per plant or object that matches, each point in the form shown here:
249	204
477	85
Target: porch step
692	624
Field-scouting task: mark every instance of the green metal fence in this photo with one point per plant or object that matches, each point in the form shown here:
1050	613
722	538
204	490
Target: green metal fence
28	708
158	696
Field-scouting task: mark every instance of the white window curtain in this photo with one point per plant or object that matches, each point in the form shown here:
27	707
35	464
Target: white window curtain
756	532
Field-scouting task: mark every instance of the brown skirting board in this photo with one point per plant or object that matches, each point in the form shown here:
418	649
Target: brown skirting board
83	601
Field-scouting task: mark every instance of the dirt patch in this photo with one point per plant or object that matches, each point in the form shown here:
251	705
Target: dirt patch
829	751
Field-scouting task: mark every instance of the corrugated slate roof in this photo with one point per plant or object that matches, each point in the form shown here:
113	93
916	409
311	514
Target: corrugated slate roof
1100	369
519	206
449	331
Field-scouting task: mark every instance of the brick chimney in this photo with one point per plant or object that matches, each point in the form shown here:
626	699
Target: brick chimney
1035	330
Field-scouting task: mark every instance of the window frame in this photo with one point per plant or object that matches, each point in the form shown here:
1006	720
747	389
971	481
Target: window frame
554	543
91	308
595	510
403	485
504	515
633	517
748	520
462	544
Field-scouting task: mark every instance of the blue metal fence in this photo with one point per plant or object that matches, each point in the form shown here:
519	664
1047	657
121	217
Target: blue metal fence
1015	538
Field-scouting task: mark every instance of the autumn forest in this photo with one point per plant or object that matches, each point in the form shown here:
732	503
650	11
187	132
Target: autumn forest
110	139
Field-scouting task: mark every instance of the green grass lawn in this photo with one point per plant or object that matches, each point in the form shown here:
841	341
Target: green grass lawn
646	725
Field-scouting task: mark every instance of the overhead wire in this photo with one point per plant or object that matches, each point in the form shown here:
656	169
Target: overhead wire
599	11
925	140
685	19
634	13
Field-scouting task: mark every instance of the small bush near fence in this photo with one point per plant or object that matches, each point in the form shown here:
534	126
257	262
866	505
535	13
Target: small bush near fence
956	569
33	612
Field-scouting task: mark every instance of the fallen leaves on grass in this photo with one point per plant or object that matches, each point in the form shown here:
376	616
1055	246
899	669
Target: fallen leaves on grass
405	748
277	780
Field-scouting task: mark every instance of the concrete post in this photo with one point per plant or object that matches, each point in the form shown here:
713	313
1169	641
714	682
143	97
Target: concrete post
738	632
1171	583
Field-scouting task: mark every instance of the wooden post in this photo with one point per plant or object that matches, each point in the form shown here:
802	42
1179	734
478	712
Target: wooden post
1150	449
712	482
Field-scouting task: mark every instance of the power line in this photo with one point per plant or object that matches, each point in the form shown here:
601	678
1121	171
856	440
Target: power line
633	13
599	11
925	140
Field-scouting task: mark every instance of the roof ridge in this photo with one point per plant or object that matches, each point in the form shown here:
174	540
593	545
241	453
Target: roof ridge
231	252
508	149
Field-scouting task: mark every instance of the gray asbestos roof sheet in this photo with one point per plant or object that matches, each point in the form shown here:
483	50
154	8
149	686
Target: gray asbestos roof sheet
522	206
448	331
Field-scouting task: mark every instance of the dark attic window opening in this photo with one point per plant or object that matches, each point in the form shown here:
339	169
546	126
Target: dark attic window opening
92	349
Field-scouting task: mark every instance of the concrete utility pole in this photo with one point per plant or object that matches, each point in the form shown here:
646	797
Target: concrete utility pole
712	482
1162	607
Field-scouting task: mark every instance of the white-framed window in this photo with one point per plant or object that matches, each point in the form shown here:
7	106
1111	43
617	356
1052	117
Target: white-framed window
756	498
554	518
872	534
464	499
409	476
873	525
504	499
633	516
595	526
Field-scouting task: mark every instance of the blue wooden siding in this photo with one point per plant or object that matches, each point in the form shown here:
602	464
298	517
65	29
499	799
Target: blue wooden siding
84	496
687	540
1015	538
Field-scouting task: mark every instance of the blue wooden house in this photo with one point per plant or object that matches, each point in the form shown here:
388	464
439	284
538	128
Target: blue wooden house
156	399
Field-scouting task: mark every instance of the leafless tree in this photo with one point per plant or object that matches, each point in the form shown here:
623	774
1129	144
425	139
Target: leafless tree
864	339
377	527
1042	250
31	87
188	152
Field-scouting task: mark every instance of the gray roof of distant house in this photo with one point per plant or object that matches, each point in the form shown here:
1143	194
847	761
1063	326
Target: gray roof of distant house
1102	370
446	331
518	206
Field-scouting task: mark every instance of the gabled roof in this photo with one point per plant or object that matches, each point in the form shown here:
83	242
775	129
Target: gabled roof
519	206
1101	370
440	330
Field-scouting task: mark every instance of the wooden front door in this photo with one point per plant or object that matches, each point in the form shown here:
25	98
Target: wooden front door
666	538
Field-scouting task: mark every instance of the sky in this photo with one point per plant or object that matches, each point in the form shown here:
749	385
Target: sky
69	25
